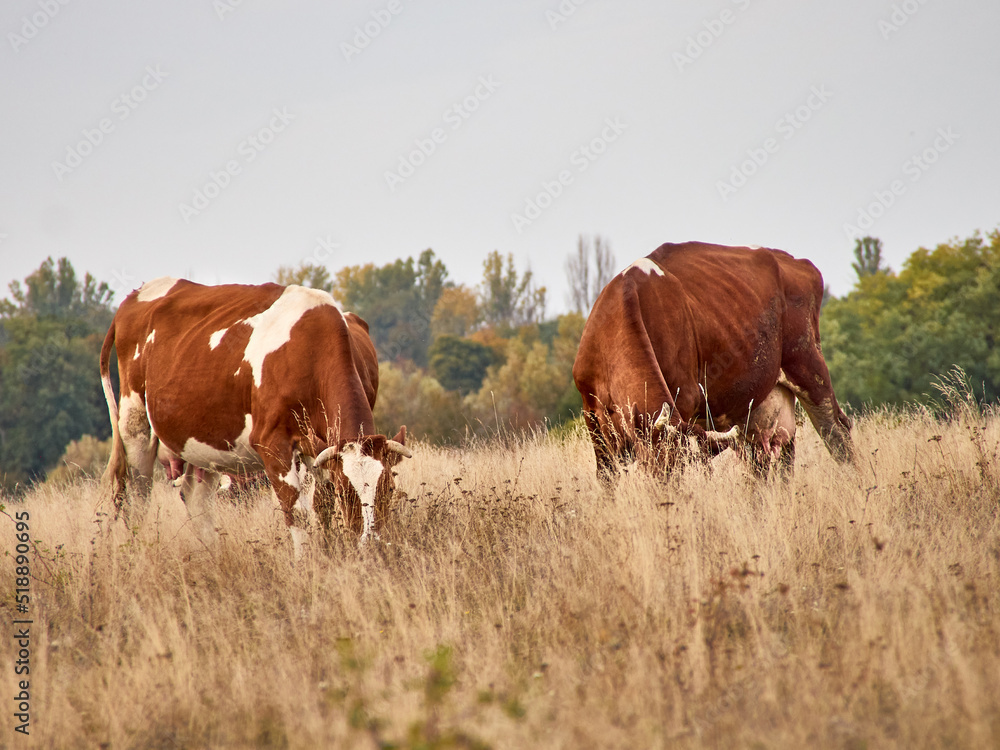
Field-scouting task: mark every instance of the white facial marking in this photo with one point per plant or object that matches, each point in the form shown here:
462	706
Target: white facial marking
272	328
151	337
239	456
156	288
646	266
136	356
363	472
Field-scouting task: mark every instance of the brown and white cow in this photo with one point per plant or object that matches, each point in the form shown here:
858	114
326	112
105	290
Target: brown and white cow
712	342
238	379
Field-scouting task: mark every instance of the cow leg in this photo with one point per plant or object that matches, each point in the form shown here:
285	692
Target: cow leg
786	461
763	460
294	488
141	446
607	465
809	380
758	460
198	489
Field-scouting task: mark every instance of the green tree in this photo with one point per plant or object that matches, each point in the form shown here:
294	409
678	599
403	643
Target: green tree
509	300
456	312
460	364
51	331
408	396
867	257
534	383
564	348
53	292
893	334
307	274
397	301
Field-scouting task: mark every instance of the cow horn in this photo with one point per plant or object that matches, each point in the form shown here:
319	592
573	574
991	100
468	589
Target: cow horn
730	437
326	455
398	448
663	418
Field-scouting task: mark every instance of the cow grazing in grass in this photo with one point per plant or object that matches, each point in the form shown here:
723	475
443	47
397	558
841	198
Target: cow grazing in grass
710	342
239	379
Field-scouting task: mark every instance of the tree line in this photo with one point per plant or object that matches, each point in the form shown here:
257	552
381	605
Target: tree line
895	333
459	360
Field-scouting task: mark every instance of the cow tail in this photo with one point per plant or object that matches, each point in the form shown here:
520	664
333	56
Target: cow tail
116	474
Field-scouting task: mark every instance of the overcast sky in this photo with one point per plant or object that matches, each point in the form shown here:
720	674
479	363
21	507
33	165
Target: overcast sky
220	140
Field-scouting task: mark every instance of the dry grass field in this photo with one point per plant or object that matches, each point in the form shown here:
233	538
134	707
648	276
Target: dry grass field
517	606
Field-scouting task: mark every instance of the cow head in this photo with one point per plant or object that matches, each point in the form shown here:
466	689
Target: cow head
361	472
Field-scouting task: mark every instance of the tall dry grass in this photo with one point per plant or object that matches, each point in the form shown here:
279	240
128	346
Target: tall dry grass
518	606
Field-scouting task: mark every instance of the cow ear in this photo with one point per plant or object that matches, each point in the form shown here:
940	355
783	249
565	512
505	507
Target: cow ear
401	436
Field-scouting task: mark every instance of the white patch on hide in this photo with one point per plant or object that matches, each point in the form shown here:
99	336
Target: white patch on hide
136	355
363	472
646	266
133	423
272	328
239	456
151	337
156	288
216	338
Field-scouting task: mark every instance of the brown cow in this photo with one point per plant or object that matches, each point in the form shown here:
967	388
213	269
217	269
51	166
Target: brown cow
241	378
688	339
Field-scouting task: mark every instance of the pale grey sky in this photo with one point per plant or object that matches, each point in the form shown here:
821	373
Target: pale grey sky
363	131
